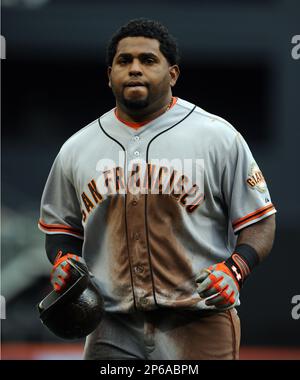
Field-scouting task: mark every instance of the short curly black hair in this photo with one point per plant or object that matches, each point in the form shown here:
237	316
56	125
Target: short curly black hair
142	27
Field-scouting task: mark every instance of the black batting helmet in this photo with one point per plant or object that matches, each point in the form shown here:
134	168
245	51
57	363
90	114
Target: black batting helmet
75	312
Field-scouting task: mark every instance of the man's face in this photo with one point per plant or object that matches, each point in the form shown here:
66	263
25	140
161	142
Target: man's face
140	74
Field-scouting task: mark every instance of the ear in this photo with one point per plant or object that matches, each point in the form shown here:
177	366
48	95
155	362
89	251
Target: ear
174	74
109	74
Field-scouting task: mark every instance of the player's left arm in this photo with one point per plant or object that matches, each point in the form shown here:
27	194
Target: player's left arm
259	236
223	281
251	214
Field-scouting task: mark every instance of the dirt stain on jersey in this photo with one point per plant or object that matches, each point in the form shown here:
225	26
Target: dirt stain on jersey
172	270
119	268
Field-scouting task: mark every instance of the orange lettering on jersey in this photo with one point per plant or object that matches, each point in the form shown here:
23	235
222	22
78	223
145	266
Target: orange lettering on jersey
196	203
191	191
146	177
120	182
83	215
179	187
171	181
256	179
152	177
134	181
109	181
259	177
158	185
94	191
87	202
251	182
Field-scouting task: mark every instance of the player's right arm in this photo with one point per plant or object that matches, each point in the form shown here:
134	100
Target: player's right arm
60	220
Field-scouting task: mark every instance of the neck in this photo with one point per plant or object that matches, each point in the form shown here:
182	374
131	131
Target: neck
149	113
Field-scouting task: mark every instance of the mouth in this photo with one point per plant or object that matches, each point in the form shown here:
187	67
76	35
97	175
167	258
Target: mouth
135	84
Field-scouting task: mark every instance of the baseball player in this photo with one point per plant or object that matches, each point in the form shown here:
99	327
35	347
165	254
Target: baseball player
164	203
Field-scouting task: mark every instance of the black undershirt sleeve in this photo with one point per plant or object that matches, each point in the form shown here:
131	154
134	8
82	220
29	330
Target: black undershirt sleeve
61	242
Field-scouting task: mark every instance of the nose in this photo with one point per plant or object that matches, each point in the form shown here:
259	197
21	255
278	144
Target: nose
135	68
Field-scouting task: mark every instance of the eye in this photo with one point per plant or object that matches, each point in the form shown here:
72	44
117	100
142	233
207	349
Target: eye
149	60
123	61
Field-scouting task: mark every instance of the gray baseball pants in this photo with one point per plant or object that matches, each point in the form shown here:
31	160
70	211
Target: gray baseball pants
166	334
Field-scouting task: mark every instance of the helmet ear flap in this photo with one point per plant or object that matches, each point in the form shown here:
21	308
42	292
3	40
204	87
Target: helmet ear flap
75	312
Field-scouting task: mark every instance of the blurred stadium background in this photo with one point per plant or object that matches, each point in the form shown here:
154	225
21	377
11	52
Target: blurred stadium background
236	62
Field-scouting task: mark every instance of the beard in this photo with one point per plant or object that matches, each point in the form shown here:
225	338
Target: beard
134	104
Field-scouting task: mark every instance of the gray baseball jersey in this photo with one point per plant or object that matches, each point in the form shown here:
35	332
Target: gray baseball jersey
154	205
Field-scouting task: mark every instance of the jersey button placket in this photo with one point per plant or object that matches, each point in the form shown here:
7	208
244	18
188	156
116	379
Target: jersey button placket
137	248
137	242
139	269
143	301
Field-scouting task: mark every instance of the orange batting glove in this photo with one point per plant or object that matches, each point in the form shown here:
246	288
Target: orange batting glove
219	283
61	273
222	282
